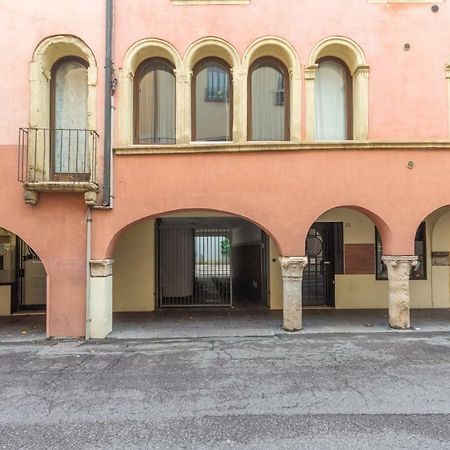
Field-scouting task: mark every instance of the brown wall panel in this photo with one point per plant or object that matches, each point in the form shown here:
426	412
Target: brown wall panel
359	259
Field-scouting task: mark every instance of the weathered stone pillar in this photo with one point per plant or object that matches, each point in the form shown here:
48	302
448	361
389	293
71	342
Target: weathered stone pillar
100	305
292	273
399	268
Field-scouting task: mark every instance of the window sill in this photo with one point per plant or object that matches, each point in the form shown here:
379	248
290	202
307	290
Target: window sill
61	186
31	191
234	147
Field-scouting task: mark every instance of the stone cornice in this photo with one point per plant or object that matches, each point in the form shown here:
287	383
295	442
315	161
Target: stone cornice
279	147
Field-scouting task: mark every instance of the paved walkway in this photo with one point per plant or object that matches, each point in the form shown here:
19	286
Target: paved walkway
179	323
377	391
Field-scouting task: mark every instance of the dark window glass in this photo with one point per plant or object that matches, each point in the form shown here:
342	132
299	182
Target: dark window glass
211	102
418	272
269	103
155	108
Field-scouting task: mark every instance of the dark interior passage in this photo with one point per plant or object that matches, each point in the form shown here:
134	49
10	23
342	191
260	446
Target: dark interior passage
206	262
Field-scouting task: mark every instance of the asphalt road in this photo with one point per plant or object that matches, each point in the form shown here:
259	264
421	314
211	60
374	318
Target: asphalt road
284	392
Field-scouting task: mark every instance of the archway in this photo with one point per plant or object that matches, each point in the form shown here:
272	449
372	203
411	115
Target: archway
432	247
183	269
23	288
345	270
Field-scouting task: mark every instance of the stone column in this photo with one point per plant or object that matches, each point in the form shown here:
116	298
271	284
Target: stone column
292	273
100	298
239	77
399	268
183	103
361	103
310	76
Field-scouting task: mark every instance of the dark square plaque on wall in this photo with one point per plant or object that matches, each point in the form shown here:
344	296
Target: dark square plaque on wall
359	259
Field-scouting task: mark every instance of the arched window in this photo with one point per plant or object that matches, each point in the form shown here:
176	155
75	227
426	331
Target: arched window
69	119
155	103
211	101
333	100
268	101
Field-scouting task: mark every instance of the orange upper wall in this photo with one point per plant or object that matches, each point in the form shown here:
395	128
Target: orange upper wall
408	90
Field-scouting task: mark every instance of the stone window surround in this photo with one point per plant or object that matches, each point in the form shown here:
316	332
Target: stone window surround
353	56
47	53
276	47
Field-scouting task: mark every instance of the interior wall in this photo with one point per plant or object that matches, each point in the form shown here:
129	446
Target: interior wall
246	262
275	279
364	291
134	269
440	269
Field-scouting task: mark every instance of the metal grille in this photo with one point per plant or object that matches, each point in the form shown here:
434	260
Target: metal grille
47	154
194	266
318	274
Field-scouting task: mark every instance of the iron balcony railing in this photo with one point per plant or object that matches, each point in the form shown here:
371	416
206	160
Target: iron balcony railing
57	155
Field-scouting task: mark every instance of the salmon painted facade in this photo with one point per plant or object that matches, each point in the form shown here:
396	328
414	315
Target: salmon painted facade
178	153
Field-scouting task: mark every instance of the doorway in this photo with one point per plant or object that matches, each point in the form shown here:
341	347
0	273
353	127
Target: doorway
325	255
211	262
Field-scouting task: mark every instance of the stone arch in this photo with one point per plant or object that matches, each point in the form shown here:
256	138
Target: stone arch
275	47
353	56
149	48
211	46
340	47
282	50
46	54
11	251
135	55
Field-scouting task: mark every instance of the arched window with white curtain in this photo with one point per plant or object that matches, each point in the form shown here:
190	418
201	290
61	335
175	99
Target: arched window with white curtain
333	100
154	105
268	101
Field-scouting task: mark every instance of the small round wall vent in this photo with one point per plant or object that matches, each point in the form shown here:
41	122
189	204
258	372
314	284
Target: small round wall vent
435	8
406	46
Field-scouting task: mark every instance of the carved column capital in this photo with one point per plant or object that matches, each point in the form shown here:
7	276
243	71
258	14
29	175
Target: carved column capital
310	71
238	73
292	266
101	267
362	70
183	76
400	263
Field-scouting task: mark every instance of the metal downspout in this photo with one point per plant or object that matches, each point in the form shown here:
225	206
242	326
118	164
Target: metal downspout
88	271
109	90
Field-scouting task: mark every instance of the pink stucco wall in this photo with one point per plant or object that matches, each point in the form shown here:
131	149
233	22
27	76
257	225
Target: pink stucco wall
399	80
284	192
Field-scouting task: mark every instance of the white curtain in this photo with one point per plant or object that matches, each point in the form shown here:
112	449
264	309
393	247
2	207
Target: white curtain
71	115
331	93
157	105
268	104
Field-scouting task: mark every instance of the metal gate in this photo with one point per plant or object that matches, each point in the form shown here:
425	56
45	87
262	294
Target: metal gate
194	266
30	286
318	276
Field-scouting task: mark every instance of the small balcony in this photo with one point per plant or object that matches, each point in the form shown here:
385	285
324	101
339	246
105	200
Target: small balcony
57	160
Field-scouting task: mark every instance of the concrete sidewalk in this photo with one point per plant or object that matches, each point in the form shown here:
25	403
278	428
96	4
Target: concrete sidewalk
193	323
